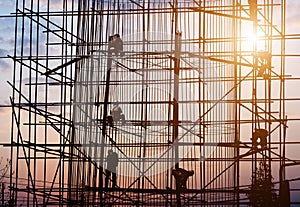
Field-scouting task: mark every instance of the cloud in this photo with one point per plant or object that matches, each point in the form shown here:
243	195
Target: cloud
3	52
5	110
293	15
6	36
55	4
4	63
7	3
40	79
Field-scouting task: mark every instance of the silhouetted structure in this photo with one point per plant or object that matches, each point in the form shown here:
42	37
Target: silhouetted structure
262	193
115	44
284	194
116	115
253	9
188	83
111	169
181	176
259	139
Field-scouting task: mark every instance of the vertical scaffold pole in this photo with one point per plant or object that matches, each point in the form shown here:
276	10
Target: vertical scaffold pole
175	107
103	132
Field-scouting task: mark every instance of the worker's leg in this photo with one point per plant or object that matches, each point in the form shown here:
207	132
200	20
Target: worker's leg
110	120
107	172
123	119
114	179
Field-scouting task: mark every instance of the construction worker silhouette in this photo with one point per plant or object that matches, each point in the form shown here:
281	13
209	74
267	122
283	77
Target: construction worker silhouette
253	9
259	139
112	163
115	44
181	176
116	115
265	59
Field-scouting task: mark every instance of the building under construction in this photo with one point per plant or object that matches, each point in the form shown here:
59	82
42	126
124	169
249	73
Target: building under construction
189	96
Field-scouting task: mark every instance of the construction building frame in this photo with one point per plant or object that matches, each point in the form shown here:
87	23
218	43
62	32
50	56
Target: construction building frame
200	86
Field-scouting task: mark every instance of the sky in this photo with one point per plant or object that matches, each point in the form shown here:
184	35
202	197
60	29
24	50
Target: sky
292	68
6	47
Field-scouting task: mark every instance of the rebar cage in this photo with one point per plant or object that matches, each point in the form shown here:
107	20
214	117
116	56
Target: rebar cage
168	86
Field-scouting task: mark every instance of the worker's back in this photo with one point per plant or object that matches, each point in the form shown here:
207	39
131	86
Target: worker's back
112	161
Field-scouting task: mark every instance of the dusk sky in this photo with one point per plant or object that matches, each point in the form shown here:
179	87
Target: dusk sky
7	26
6	42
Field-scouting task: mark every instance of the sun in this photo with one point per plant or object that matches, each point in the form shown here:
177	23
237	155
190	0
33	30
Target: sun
251	38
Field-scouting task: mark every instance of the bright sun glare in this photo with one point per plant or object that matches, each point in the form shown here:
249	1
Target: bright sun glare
250	38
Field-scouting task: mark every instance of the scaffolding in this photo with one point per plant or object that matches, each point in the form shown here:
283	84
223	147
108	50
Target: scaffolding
189	95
